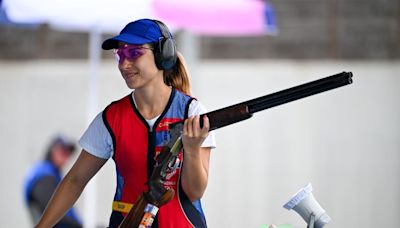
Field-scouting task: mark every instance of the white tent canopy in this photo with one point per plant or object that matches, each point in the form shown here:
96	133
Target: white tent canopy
225	17
76	15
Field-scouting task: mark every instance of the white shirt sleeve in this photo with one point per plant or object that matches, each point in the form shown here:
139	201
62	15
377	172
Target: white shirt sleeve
196	108
97	140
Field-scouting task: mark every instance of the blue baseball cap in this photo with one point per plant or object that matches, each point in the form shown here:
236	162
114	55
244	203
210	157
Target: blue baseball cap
142	31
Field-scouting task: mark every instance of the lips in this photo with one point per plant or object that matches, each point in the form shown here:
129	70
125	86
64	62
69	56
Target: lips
130	74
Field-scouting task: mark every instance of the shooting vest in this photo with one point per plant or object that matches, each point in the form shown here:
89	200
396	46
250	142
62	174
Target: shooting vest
135	147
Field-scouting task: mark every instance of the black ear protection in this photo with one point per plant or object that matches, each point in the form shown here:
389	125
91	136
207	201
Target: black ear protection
165	49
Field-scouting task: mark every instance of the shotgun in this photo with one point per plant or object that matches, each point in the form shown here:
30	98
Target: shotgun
146	206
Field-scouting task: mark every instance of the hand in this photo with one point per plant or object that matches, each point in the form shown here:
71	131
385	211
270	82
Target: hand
193	136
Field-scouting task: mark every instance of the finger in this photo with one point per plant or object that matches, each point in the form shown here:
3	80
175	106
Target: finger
206	126
206	123
190	126
185	127
196	126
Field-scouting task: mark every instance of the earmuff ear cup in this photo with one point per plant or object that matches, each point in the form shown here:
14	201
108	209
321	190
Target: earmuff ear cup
165	54
168	54
165	49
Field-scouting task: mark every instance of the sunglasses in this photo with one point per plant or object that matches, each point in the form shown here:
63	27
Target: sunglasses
129	52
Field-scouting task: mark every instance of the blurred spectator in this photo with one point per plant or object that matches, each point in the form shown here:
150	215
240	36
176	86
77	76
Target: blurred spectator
43	178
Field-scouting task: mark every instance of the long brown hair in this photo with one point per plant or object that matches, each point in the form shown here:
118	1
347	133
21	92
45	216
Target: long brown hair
178	76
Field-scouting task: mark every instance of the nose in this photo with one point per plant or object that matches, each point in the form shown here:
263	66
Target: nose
125	63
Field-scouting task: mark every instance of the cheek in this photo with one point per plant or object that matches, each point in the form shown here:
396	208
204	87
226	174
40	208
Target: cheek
120	68
60	158
147	64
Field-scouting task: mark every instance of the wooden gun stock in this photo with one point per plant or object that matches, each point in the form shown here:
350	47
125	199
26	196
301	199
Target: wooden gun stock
136	214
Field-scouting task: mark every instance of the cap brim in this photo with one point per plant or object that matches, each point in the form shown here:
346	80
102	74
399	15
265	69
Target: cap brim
125	38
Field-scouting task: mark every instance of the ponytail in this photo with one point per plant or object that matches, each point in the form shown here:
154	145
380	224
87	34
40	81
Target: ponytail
178	76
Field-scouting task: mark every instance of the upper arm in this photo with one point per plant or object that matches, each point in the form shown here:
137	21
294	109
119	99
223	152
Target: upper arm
97	140
85	167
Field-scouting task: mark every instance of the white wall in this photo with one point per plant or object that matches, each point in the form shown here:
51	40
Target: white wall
345	142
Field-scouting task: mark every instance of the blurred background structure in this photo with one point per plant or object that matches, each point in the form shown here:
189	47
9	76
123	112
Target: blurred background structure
308	29
346	142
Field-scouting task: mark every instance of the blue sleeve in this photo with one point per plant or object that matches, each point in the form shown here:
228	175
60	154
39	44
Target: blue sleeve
97	140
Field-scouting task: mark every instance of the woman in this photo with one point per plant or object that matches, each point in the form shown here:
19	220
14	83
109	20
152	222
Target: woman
133	130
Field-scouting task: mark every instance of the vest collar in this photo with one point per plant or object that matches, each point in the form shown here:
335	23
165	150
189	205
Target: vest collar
171	98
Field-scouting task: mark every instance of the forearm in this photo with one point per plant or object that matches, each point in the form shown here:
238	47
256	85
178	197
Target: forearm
70	188
62	200
195	173
69	222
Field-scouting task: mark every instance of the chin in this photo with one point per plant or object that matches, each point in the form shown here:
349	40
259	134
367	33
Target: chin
130	86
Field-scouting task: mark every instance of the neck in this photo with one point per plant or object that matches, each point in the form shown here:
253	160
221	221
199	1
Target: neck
151	102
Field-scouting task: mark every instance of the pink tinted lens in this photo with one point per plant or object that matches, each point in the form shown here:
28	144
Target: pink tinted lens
129	52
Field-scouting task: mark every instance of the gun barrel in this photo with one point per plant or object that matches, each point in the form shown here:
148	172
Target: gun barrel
241	111
300	91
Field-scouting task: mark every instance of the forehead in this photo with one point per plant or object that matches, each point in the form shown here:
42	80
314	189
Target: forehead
60	146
